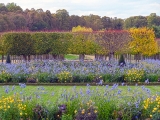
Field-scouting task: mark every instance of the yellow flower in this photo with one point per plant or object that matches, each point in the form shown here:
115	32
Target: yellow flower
75	111
154	109
150	116
20	113
8	106
95	111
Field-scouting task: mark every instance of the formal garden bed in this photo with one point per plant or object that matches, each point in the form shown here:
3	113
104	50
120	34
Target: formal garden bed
114	102
80	72
41	90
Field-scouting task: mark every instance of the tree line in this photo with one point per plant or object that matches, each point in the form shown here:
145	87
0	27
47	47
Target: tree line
136	41
14	18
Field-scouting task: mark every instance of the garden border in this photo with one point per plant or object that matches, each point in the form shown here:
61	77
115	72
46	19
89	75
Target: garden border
84	84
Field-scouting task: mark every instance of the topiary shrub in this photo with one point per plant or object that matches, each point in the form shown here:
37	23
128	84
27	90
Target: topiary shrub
8	59
121	61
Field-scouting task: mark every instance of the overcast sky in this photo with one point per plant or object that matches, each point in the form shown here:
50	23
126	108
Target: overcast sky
110	8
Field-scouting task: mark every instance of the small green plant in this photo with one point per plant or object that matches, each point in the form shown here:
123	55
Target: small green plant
134	75
67	117
105	109
64	77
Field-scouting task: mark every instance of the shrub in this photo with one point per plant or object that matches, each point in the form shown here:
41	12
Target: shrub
5	77
152	77
42	77
19	78
134	75
106	77
13	107
64	77
121	61
8	59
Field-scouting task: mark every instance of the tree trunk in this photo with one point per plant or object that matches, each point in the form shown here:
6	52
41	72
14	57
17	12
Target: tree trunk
81	57
2	58
111	56
25	58
29	58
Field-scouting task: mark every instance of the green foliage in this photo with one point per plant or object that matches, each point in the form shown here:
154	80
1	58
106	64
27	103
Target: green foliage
64	77
67	117
18	43
41	43
82	43
156	31
42	77
19	78
134	75
5	77
13	107
81	29
152	77
105	109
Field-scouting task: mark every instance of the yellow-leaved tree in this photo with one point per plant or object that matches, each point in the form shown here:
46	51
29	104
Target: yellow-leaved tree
143	41
81	29
83	42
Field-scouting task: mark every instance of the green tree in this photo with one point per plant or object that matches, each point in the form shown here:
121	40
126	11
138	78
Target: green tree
18	44
62	17
83	42
12	7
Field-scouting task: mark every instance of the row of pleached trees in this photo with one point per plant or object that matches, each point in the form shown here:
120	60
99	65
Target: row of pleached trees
82	41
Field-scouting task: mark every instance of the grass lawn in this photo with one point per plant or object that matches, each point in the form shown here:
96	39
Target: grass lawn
71	57
52	93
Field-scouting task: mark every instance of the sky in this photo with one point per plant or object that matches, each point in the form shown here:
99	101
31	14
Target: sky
111	8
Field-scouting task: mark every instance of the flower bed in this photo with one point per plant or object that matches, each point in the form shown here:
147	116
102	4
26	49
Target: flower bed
78	103
79	72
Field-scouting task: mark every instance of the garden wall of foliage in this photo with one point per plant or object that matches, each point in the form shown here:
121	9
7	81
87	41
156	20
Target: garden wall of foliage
102	43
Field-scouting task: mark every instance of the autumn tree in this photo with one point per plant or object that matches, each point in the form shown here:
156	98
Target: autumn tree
143	41
113	41
82	42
